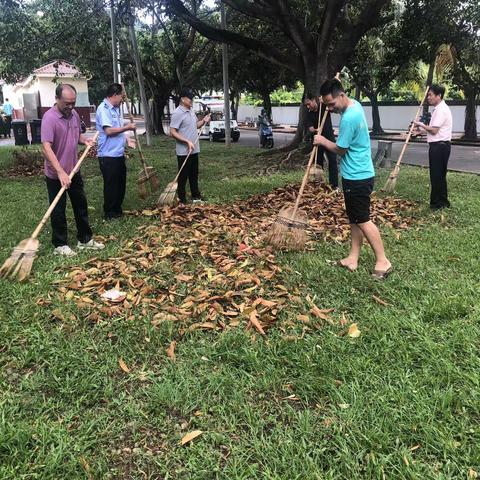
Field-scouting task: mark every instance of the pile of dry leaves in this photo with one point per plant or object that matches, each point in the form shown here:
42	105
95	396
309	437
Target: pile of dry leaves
27	163
206	267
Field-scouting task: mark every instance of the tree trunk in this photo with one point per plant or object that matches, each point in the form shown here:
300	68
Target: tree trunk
267	103
431	69
358	93
470	128
160	102
376	126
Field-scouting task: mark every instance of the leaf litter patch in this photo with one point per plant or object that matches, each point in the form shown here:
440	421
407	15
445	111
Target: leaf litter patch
208	268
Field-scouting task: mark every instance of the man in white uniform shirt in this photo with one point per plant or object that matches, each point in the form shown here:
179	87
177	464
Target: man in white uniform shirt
439	135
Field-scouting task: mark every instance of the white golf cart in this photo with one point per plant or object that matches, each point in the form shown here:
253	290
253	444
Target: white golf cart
215	130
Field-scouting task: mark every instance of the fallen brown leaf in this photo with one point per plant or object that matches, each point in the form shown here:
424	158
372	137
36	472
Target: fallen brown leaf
190	436
123	365
171	350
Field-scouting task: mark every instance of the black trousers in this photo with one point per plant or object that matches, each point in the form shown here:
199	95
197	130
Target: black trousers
114	172
190	172
332	165
9	124
58	218
438	155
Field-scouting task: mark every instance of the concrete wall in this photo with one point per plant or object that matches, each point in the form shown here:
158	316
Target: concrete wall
396	117
47	90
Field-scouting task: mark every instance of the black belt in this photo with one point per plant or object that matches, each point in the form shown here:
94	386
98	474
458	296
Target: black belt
441	141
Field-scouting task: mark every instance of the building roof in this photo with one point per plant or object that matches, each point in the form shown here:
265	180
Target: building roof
58	68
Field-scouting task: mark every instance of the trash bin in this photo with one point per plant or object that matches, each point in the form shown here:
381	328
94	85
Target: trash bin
20	132
35	130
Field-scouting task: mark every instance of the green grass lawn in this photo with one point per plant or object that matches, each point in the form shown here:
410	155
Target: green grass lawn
402	401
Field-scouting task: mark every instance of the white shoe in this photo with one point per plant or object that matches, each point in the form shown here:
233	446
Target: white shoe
197	201
91	245
64	250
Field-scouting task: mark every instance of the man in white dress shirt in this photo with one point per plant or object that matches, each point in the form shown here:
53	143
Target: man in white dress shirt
439	135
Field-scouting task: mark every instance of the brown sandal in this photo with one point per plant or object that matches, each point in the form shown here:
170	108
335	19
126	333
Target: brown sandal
382	274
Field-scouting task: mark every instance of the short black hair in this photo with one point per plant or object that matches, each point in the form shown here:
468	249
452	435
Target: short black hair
437	89
309	96
61	87
187	92
331	87
114	89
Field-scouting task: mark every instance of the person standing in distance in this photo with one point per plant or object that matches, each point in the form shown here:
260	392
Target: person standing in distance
439	136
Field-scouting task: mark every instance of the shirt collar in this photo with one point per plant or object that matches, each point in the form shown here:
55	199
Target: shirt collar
60	114
108	104
184	109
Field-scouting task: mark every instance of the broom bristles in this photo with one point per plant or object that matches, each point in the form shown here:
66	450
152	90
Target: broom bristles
21	260
142	187
392	180
288	231
26	266
168	196
154	182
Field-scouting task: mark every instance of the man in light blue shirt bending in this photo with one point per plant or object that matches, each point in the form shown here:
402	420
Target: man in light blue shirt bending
111	150
356	168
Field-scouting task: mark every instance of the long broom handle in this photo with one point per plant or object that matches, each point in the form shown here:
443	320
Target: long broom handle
62	190
188	156
140	152
310	162
410	131
318	130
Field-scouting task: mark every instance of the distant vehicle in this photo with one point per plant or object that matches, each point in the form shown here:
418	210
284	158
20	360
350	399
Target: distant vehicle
266	135
215	129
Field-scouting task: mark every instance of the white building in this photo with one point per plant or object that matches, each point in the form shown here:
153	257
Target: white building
33	96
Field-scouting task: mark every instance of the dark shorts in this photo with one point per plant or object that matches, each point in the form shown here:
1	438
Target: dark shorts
357	199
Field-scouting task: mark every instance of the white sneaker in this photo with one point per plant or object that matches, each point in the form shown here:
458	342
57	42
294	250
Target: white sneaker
64	250
91	245
198	201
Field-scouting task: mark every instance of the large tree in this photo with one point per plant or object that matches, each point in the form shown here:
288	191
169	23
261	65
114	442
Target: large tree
319	36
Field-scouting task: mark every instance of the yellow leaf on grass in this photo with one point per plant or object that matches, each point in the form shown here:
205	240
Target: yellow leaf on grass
123	365
171	350
190	436
472	473
353	331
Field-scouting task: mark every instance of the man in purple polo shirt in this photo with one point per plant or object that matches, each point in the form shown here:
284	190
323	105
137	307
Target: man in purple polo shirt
61	134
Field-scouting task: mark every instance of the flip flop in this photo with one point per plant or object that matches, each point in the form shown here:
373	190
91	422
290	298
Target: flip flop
382	274
346	267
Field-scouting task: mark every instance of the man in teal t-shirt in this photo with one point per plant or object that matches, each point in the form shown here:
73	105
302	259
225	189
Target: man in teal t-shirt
356	168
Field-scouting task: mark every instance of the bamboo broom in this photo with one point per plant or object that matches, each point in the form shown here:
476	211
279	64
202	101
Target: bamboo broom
147	174
290	227
20	262
392	179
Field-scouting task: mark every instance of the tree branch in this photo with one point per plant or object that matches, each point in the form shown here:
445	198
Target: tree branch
267	52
